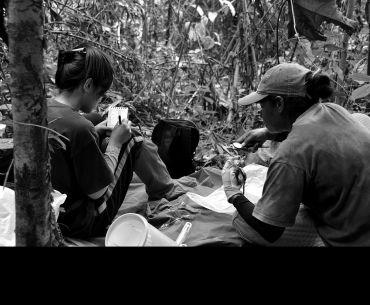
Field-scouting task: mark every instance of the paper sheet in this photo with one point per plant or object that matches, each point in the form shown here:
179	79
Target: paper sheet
217	201
113	114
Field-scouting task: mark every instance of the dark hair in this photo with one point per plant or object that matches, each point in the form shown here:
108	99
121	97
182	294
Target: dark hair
82	63
318	86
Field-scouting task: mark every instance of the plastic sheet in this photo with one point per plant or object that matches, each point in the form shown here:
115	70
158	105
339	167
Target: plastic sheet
217	201
7	214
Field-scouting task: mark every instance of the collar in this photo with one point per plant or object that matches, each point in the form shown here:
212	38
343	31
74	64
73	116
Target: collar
305	116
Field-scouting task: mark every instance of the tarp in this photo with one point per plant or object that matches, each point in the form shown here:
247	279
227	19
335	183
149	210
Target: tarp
212	226
208	227
309	14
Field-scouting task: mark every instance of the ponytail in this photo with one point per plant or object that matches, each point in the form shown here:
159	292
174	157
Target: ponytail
319	87
77	65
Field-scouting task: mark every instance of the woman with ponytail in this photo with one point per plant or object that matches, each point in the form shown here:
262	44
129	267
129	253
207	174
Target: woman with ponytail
96	179
323	162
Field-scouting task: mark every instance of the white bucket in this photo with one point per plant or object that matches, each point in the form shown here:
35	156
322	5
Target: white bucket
133	230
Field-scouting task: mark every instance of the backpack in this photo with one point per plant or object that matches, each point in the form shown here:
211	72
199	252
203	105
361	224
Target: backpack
176	140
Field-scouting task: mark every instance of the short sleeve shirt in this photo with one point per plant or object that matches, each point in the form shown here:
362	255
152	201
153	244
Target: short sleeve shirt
80	168
324	164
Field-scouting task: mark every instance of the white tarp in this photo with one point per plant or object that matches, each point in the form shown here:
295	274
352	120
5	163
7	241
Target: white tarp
217	201
302	234
7	214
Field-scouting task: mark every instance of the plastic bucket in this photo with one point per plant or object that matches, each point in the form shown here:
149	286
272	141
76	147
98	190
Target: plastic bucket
133	230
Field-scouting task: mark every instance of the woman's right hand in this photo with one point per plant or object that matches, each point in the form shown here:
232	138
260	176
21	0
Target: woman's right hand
121	134
253	137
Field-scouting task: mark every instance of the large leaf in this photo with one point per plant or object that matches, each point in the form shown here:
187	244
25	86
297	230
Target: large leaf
359	77
361	92
332	47
212	16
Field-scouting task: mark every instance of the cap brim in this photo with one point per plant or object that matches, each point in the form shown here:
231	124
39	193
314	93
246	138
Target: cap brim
250	99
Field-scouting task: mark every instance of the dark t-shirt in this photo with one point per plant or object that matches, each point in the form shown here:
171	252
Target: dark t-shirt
324	163
80	169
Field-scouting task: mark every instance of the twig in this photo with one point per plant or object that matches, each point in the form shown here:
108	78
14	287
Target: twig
77	11
295	48
118	54
42	127
7	174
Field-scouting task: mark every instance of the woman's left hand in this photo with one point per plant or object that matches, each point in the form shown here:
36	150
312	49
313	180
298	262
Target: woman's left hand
103	130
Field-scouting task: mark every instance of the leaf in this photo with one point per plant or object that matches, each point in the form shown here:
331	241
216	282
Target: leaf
209	100
218	42
192	35
229	4
106	29
212	16
204	21
339	71
359	77
332	47
200	29
208	42
360	92
58	141
199	9
304	50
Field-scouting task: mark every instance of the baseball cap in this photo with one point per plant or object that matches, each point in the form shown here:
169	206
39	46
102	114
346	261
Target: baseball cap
284	79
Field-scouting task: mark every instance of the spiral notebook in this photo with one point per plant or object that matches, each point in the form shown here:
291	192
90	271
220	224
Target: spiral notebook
114	113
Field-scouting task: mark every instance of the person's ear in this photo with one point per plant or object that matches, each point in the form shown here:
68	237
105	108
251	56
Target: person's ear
88	85
280	104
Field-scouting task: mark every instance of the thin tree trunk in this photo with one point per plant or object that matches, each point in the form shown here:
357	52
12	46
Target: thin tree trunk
368	23
367	7
145	31
234	91
343	55
247	24
31	154
343	59
169	22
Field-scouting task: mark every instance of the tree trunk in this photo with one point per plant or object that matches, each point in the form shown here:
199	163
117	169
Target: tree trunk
343	54
145	31
247	24
367	7
343	59
31	154
234	91
169	22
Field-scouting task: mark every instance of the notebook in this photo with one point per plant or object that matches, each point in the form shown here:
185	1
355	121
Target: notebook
113	114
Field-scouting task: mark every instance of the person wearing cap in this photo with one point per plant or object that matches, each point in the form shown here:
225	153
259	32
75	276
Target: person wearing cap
323	163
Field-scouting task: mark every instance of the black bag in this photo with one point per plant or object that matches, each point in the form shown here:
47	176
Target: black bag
176	141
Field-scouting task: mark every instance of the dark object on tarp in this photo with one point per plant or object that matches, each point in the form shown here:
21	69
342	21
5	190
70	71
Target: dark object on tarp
176	140
309	14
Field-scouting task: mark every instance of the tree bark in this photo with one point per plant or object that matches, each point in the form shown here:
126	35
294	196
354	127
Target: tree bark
169	22
234	91
343	59
247	24
367	7
31	154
